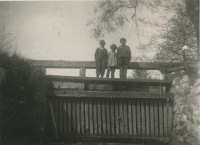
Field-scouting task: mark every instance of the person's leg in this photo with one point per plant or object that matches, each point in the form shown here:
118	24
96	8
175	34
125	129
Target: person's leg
103	67
98	68
126	63
120	63
108	71
112	71
125	72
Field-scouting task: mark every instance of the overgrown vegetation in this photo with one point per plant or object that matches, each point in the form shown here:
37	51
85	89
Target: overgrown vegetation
23	100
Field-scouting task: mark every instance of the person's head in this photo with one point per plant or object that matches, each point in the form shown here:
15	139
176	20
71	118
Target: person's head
123	41
113	47
102	43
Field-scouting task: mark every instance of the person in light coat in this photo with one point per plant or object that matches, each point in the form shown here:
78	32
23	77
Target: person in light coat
112	61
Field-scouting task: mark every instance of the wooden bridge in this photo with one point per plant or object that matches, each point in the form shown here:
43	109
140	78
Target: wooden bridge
117	115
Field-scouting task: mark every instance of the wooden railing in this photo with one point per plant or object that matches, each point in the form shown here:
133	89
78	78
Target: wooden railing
83	65
86	115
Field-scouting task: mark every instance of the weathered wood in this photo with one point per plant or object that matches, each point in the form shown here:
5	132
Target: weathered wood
115	81
156	118
138	118
122	117
112	116
60	111
130	127
65	118
99	116
152	125
78	113
92	65
86	111
165	117
92	94
134	117
95	117
161	125
53	120
147	119
108	118
170	116
143	127
82	117
116	117
103	117
69	116
91	116
82	74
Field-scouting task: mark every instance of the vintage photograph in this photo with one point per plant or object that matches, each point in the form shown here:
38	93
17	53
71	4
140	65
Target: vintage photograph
99	72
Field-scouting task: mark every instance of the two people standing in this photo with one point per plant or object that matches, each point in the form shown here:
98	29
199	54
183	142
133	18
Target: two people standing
112	59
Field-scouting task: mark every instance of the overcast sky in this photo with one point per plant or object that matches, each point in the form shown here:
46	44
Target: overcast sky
57	30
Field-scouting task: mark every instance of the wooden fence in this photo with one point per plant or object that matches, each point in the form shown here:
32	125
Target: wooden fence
122	115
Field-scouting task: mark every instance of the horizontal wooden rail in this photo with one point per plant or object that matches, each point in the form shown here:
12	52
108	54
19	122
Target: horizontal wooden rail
110	94
143	82
133	65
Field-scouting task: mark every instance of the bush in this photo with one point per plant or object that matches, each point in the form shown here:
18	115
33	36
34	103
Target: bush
24	101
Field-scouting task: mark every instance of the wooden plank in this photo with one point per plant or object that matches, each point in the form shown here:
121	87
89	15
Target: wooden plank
69	116
95	116
165	117
108	130
138	118
125	114
121	119
56	114
91	64
112	115
53	120
160	103
78	117
65	117
116	105
143	127
156	117
134	110
147	107
86	117
152	125
170	116
99	120
110	94
103	105
60	101
130	127
93	80
82	117
74	129
91	116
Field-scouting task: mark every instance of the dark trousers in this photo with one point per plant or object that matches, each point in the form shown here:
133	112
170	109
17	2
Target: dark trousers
123	63
100	68
112	70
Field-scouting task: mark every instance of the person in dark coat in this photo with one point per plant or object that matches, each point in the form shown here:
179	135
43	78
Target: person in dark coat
101	57
123	57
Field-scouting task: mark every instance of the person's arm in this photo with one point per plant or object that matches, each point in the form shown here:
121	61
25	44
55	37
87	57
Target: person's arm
95	54
129	53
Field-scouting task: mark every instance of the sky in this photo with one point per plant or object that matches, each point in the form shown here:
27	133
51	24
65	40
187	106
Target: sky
57	30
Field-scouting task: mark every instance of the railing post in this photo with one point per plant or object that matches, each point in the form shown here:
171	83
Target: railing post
42	69
163	78
82	74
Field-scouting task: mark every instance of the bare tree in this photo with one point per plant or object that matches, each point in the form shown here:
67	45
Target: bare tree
6	41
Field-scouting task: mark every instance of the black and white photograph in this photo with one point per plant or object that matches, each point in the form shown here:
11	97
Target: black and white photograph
99	72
